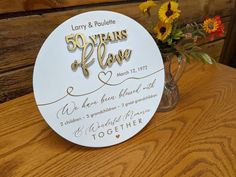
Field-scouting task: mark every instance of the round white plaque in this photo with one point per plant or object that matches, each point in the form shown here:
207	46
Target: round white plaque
98	79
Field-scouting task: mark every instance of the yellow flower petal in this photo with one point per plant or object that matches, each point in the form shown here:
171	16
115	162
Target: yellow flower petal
146	6
210	25
169	11
162	30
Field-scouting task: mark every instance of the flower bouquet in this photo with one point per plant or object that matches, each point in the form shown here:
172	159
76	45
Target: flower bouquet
171	37
180	42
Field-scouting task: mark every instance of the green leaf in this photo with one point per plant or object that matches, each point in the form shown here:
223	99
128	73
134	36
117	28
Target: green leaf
179	32
196	48
174	27
202	33
194	56
176	37
188	58
169	41
207	58
188	45
197	56
204	57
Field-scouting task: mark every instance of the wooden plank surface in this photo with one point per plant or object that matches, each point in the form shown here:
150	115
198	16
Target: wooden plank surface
7	6
229	52
198	138
16	83
214	48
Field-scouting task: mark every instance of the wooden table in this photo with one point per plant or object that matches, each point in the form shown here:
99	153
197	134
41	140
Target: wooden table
198	138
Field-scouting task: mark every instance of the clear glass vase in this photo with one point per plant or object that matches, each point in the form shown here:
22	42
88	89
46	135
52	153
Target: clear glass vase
170	96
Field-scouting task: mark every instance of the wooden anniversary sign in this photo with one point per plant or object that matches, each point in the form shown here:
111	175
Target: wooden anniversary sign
98	79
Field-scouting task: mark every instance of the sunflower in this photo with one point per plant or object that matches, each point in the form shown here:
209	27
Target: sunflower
169	11
146	6
213	26
162	30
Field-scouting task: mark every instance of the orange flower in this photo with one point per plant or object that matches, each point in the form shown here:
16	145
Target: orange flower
213	26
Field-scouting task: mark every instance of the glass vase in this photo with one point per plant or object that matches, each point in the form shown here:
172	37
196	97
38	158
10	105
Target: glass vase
170	96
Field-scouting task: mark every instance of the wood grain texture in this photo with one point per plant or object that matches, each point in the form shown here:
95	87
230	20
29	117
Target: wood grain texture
214	48
7	6
15	83
229	52
22	37
196	139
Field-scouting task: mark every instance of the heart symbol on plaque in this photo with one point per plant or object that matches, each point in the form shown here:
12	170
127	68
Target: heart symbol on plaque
104	77
117	136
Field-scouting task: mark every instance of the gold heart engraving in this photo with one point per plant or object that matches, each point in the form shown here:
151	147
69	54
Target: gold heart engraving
104	77
117	136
